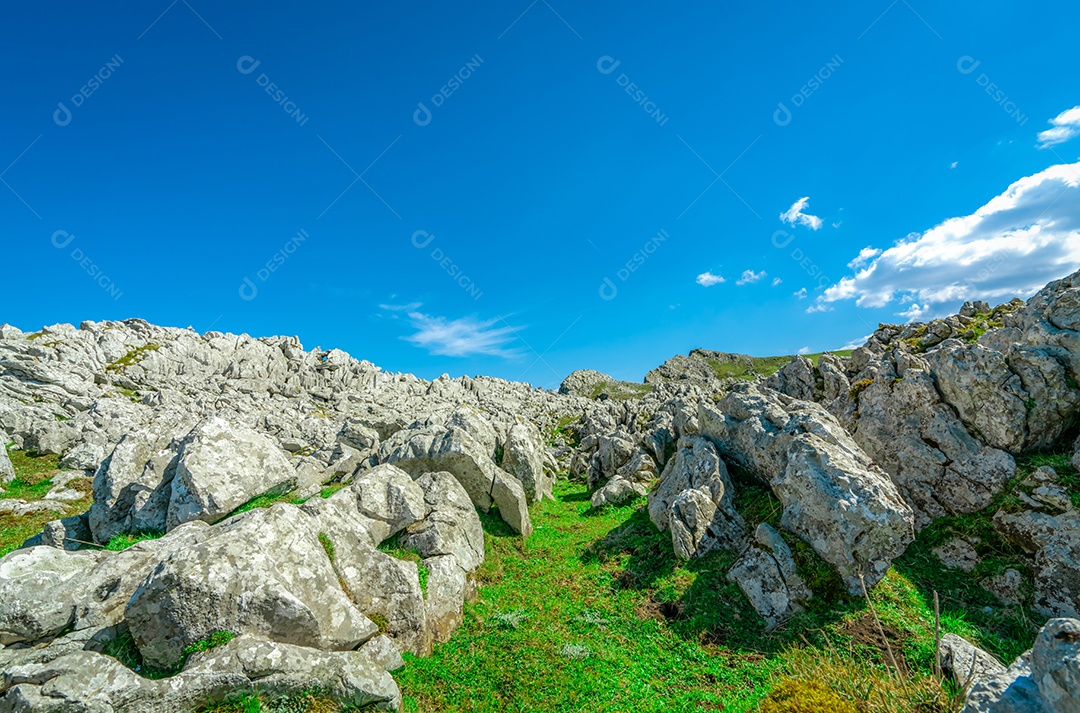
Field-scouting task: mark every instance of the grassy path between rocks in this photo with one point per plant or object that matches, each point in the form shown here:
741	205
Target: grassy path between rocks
594	613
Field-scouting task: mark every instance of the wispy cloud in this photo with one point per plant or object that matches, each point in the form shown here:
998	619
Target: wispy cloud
707	279
864	256
1065	125
855	343
1012	246
749	277
776	281
796	215
804	350
400	308
801	293
465	336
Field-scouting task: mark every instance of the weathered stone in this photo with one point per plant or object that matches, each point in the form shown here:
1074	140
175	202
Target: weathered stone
523	458
958	553
766	574
220	467
263	573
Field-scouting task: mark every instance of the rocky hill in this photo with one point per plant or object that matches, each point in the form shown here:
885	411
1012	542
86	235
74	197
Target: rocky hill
192	517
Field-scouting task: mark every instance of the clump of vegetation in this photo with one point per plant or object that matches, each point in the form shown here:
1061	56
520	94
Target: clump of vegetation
619	390
858	387
380	621
330	488
268	500
328	546
794	695
122	542
577	652
214	640
393	547
749	368
510	619
563	429
134	356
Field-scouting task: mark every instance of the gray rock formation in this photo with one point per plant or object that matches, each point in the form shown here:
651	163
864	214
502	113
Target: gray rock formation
766	574
1046	679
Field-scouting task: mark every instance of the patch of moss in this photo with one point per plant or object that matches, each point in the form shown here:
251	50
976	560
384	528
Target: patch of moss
858	387
134	356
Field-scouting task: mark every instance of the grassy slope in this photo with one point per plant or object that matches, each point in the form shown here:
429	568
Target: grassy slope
763	366
33	476
661	635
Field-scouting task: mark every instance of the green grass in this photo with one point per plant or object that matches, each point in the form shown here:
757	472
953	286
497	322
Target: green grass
331	488
620	390
214	640
751	367
328	546
267	500
594	613
134	356
122	542
394	548
33	481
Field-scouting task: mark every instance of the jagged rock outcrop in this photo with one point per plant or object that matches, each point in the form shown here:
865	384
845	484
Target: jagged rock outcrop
695	501
766	573
1045	679
833	496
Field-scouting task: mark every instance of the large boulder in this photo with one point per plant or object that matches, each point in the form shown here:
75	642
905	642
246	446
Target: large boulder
90	681
1045	679
132	486
451	525
834	497
523	458
1053	541
264	572
695	501
766	573
221	466
7	472
36	591
965	663
452	449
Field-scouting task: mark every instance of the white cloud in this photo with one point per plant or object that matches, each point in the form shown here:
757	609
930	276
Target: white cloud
953	164
1066	125
865	255
749	277
914	312
855	343
818	308
707	279
795	214
801	294
466	336
1012	246
400	308
776	281
804	350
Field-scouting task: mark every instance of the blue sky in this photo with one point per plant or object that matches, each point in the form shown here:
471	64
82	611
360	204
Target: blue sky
524	189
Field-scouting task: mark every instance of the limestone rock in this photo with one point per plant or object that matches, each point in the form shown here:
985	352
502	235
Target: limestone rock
263	573
220	467
1045	679
766	574
524	459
